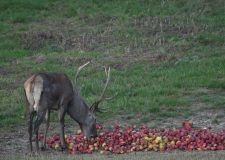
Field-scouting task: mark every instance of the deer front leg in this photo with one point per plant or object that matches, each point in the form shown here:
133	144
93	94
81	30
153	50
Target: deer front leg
47	116
61	122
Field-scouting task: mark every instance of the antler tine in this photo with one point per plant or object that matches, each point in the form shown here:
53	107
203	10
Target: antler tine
110	98
102	110
94	106
106	84
79	69
105	70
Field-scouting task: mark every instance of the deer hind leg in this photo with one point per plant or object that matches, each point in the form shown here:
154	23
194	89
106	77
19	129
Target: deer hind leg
39	119
30	127
47	116
29	114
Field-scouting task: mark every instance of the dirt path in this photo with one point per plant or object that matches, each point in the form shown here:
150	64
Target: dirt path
175	155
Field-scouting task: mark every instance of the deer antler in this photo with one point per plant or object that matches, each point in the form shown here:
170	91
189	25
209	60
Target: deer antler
79	69
94	106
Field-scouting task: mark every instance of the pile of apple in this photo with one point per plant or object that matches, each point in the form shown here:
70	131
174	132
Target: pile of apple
123	140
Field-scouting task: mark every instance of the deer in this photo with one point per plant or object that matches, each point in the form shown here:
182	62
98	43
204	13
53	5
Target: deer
45	92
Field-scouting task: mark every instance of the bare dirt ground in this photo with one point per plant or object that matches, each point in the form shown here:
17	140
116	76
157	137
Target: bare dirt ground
176	155
14	141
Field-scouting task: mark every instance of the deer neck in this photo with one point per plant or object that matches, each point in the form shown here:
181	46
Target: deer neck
78	110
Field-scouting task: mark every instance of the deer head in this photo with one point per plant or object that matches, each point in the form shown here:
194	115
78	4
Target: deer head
83	113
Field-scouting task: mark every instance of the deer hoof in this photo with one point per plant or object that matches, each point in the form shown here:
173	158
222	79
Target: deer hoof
63	148
43	148
30	153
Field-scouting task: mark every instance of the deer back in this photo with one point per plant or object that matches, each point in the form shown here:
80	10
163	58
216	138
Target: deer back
51	89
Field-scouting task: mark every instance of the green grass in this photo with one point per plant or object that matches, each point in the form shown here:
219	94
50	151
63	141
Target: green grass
161	53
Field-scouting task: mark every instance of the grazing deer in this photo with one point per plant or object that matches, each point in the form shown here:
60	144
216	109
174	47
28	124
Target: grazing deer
54	91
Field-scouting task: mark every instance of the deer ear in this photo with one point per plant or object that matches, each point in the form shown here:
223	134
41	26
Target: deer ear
92	108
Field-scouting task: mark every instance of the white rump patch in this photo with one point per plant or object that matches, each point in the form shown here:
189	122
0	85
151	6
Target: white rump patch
37	90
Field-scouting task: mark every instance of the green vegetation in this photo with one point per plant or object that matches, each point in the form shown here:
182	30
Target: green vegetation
166	56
